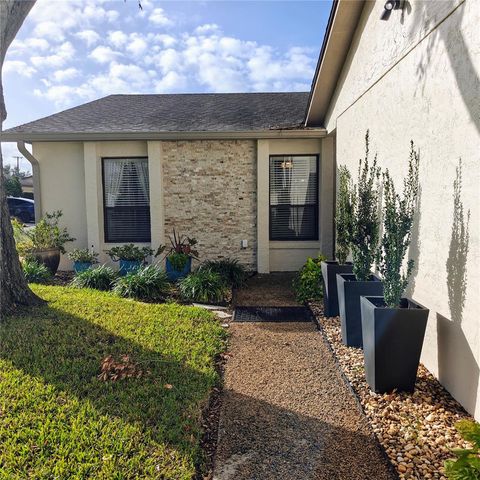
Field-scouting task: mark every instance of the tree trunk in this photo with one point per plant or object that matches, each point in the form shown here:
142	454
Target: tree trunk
13	286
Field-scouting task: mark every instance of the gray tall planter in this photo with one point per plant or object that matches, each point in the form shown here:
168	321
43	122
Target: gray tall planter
392	343
349	292
330	296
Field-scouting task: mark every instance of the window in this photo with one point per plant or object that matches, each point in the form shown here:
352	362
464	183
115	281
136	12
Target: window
126	200
294	197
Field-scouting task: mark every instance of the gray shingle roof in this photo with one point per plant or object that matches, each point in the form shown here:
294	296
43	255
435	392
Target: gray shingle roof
215	112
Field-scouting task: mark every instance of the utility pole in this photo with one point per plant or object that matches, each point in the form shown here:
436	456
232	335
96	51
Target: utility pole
18	157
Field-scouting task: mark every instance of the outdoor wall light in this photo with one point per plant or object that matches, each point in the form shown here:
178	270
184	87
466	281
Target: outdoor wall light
389	6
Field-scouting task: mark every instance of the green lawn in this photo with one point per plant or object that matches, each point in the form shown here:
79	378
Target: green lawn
58	420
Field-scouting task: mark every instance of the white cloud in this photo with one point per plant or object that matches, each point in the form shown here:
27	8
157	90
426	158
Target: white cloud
104	54
67	74
163	38
207	28
137	45
90	37
158	17
28	45
49	30
62	55
171	82
18	67
118	38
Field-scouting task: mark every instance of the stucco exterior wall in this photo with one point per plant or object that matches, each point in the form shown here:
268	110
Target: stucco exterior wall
291	255
210	194
416	77
62	187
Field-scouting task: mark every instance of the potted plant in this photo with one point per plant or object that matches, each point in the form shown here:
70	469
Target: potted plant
394	326
364	245
130	256
178	259
45	241
82	259
343	228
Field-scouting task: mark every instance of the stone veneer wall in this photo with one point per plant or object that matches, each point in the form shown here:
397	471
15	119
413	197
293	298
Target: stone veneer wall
210	194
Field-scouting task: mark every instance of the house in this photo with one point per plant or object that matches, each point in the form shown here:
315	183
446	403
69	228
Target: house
27	186
252	176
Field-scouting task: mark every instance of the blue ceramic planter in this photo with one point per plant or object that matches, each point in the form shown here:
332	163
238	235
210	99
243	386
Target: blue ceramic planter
174	275
80	267
129	266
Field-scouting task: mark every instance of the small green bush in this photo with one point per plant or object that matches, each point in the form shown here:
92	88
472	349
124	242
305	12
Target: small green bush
129	252
178	260
466	465
36	272
149	283
101	278
83	255
308	282
232	272
204	286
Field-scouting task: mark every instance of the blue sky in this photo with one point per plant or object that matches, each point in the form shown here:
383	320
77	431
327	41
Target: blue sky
69	52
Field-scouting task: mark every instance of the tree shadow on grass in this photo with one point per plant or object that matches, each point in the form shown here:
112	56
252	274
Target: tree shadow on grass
65	351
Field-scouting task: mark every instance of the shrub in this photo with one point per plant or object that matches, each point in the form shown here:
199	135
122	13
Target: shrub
149	283
232	272
179	244
36	272
178	260
48	234
308	282
203	286
82	255
365	228
398	213
344	214
467	464
129	252
101	278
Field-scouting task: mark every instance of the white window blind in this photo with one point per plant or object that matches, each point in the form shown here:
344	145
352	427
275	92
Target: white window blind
126	200
294	197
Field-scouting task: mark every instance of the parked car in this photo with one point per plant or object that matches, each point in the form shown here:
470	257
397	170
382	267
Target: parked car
22	208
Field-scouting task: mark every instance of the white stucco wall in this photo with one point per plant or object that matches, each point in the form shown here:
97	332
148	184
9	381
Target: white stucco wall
62	187
291	255
416	77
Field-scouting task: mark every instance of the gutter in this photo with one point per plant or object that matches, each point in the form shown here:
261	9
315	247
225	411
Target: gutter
36	178
326	37
122	136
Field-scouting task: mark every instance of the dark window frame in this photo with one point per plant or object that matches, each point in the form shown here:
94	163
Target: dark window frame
316	236
105	227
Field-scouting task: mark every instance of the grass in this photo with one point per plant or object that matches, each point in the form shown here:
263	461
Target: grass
58	420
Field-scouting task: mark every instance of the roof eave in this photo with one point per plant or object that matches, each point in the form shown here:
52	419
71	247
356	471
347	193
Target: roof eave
201	135
341	27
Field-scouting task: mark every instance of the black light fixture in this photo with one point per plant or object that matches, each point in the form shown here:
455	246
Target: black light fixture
389	6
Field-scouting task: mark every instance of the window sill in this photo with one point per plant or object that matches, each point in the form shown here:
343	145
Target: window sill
306	244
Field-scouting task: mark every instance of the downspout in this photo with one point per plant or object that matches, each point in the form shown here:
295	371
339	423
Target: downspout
36	178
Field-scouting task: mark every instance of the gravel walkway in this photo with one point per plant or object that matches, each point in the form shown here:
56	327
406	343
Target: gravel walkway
286	412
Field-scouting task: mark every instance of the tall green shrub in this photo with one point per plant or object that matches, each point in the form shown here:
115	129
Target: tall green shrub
365	225
344	214
398	215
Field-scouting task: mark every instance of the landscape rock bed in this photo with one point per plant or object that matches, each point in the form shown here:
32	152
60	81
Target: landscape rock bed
416	430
